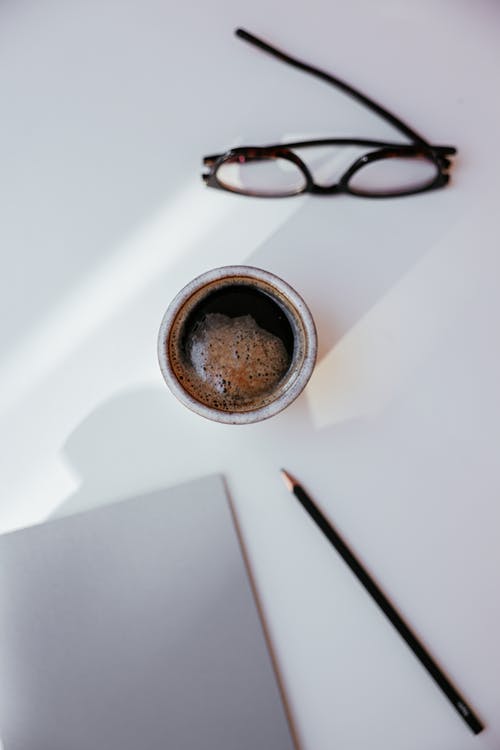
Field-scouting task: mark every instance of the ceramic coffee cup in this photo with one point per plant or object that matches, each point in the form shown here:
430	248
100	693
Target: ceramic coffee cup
237	345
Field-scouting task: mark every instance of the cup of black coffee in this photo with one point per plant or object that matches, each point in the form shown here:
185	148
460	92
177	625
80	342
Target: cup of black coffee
237	345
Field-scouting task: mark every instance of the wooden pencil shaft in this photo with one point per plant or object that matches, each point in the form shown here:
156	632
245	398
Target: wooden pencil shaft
369	584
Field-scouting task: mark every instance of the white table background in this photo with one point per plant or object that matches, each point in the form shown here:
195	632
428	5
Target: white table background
106	110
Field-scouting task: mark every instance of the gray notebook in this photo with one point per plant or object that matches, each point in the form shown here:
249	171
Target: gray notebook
133	627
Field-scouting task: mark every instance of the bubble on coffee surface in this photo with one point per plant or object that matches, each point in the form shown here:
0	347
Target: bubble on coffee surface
234	361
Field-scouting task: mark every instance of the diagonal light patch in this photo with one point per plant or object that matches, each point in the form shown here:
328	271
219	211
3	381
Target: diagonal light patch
371	362
173	234
148	252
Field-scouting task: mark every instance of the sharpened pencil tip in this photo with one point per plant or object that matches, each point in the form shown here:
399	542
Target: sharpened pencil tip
289	481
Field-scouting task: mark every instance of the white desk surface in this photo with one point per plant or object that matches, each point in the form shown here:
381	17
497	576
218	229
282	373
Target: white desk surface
107	109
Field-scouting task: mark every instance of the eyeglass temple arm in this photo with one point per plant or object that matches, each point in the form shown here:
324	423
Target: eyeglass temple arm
396	122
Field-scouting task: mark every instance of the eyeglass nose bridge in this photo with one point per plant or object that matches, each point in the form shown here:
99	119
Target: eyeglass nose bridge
326	189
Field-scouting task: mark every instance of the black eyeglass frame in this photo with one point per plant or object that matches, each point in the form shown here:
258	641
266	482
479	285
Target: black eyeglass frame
418	148
436	154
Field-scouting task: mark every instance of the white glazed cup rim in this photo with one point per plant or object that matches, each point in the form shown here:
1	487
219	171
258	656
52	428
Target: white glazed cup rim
284	399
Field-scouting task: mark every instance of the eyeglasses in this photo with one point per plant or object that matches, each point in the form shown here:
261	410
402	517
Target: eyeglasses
276	171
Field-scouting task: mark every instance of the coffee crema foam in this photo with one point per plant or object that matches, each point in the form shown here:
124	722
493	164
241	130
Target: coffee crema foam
233	362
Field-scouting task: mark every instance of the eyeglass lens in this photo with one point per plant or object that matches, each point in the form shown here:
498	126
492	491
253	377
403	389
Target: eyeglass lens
393	176
261	176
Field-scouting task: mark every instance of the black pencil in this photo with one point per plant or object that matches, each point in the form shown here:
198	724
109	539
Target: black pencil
369	584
